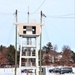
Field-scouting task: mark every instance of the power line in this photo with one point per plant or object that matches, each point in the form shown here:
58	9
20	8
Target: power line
9	36
68	14
56	16
48	16
60	17
39	7
22	12
37	13
6	13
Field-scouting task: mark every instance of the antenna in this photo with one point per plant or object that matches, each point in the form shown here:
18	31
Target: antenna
28	14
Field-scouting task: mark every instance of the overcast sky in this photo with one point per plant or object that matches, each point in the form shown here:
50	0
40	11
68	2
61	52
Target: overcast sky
59	25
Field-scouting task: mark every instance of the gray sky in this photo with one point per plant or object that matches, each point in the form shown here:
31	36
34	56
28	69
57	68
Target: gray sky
59	26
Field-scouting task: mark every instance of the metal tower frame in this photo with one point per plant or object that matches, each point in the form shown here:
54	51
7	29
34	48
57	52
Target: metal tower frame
28	64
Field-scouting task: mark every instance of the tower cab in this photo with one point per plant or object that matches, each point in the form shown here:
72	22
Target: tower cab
29	30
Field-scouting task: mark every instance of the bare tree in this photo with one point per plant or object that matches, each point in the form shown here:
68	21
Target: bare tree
66	53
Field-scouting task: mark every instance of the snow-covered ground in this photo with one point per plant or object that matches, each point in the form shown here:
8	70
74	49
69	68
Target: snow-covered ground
10	71
49	67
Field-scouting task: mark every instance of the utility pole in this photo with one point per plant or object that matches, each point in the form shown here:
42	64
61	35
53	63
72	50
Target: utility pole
41	15
40	41
16	44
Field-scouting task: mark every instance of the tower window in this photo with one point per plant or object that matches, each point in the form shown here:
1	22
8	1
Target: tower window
24	27
24	32
33	29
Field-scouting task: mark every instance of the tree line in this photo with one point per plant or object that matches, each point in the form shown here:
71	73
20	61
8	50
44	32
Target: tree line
49	54
52	56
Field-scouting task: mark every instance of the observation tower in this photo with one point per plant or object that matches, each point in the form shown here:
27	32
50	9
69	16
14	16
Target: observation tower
28	33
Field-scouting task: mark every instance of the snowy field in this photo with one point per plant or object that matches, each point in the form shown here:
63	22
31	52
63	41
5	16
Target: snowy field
10	71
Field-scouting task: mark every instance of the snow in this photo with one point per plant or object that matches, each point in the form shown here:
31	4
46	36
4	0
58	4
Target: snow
10	71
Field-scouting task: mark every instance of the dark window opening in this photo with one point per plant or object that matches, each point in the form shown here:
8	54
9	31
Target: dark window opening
24	32
24	27
33	29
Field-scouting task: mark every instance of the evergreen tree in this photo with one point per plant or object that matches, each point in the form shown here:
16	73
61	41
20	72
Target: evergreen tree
10	54
73	57
1	48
